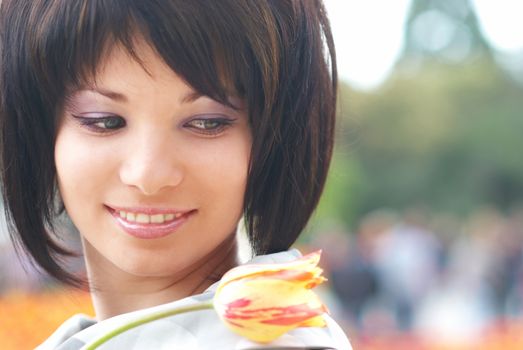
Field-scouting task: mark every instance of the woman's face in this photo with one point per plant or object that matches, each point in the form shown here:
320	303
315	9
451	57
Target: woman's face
151	174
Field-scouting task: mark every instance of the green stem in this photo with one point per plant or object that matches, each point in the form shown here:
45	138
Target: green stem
180	310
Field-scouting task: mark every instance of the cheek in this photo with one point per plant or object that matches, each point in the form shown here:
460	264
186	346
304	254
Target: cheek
222	170
217	177
80	168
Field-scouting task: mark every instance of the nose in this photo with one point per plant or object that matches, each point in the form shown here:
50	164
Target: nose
151	165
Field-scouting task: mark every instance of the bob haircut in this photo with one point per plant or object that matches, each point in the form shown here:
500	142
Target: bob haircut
276	55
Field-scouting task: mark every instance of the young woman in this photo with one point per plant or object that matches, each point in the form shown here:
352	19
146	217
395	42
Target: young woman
156	126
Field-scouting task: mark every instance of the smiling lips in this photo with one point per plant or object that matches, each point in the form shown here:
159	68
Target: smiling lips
147	223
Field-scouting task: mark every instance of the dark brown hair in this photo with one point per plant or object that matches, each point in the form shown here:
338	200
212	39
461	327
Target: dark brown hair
277	55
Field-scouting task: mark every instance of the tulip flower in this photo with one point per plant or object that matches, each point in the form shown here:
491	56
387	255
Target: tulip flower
259	302
262	302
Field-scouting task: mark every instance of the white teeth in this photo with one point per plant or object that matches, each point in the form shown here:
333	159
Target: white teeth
157	219
146	219
143	218
131	217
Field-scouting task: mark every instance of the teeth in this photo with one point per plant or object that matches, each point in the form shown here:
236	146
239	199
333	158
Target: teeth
131	217
145	218
157	219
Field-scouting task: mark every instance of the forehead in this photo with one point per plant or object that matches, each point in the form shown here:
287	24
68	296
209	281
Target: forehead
121	76
144	65
120	73
141	68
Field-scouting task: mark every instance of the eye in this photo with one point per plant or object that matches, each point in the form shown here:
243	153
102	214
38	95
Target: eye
102	124
211	126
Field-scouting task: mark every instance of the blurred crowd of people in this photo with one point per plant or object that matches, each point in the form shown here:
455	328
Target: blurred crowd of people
428	274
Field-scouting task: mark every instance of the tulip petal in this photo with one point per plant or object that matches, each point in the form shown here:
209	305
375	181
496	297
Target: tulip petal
262	302
307	262
317	321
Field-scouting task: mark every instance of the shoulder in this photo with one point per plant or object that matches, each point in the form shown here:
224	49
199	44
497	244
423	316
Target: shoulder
330	336
67	330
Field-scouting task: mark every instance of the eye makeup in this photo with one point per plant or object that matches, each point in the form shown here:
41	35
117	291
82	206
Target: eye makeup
209	124
102	124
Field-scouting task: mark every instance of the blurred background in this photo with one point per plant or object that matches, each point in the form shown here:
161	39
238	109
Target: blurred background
422	218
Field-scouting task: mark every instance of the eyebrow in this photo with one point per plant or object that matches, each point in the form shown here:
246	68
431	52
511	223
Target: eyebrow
113	95
189	97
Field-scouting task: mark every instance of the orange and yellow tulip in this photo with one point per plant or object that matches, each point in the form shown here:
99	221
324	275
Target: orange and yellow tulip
262	302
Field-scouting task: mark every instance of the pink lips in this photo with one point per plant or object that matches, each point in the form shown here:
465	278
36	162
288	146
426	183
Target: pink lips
149	230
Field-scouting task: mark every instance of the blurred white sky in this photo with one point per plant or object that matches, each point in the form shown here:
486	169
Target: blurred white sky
369	34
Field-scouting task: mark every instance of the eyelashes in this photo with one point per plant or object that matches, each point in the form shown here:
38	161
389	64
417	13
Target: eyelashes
205	125
209	126
101	125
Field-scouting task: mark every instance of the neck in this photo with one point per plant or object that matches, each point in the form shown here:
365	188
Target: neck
115	291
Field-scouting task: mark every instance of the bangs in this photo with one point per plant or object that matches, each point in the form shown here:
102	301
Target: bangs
207	43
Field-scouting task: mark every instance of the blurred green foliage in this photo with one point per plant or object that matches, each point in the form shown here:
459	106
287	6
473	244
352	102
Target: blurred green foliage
440	134
447	138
